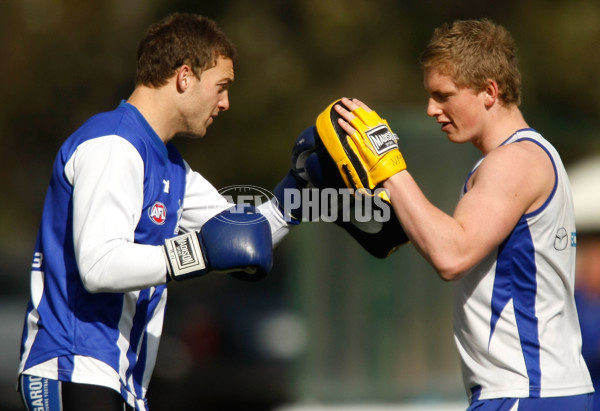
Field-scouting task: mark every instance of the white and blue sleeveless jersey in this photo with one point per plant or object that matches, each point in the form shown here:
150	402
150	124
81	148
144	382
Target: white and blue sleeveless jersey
98	280
515	321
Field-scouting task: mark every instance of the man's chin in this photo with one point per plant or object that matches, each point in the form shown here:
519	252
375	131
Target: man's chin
189	134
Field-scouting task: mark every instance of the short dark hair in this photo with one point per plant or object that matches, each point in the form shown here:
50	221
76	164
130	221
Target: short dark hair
180	39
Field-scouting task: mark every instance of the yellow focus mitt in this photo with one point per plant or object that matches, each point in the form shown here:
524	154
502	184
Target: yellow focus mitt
366	158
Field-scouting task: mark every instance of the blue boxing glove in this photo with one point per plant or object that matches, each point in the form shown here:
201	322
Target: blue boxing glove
237	241
290	187
312	169
380	239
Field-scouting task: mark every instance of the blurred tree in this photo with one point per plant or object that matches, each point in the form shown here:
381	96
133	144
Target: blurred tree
66	60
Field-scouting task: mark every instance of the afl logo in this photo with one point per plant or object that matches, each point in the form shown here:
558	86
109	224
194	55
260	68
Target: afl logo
246	195
158	213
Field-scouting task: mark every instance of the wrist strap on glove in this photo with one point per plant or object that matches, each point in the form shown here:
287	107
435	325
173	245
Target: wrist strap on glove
185	257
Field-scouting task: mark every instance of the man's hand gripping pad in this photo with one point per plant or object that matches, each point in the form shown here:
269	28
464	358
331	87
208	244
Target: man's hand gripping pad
379	238
366	158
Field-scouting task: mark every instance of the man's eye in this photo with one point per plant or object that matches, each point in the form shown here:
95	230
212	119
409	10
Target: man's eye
442	96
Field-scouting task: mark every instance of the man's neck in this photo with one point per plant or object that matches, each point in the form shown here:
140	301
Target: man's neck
502	123
153	104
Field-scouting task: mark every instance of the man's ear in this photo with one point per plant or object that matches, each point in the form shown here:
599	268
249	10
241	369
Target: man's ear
184	77
491	93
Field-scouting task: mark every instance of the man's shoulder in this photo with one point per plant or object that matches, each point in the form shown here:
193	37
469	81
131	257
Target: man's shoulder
118	121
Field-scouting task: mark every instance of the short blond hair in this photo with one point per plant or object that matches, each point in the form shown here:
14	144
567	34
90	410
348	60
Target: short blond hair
473	51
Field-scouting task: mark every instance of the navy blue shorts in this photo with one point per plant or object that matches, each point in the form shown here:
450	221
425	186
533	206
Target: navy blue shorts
43	394
583	402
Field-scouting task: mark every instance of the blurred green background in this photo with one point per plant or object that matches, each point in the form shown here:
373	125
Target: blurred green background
331	324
